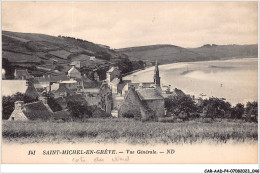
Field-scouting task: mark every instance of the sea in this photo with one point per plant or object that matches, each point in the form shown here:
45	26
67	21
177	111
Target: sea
235	80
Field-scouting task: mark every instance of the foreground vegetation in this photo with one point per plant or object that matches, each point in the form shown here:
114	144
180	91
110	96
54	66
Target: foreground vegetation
112	130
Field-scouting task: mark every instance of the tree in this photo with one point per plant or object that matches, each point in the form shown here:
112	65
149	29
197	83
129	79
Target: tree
103	55
8	103
238	111
180	104
252	110
78	110
216	107
125	66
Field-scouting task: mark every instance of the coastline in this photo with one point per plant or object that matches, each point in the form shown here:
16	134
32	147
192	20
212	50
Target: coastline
176	63
200	66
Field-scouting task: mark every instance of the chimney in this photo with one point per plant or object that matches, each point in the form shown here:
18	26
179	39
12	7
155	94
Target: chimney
131	87
18	105
141	86
44	100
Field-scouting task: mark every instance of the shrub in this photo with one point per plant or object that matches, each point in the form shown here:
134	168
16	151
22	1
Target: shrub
78	110
128	114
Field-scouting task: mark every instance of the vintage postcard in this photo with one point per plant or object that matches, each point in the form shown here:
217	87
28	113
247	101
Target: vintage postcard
129	82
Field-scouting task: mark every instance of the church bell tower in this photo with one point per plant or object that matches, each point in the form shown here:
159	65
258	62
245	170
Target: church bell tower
156	77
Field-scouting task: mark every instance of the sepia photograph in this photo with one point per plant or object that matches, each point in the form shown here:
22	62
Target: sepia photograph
129	82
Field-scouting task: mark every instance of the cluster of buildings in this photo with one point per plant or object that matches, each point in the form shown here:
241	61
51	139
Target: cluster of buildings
115	96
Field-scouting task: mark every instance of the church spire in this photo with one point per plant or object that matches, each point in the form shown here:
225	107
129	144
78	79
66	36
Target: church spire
156	77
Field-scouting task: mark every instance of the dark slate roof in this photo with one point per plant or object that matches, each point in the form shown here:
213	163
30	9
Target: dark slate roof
91	84
85	78
62	101
53	78
36	110
62	88
31	91
149	94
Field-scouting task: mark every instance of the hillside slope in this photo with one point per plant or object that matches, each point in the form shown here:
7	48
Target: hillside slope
227	51
170	53
41	53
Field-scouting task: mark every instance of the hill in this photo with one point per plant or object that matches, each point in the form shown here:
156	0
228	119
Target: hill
227	51
41	53
170	53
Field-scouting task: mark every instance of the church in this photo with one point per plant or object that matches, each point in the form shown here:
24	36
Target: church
143	101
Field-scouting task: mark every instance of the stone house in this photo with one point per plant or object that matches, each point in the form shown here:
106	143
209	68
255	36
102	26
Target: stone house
62	91
96	93
114	84
74	73
21	74
70	84
132	107
92	58
113	73
49	82
31	111
153	99
142	104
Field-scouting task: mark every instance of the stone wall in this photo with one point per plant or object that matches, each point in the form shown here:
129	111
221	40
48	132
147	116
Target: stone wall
130	105
157	106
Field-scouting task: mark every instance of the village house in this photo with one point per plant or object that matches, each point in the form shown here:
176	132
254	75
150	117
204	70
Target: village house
77	64
31	111
49	82
21	74
70	84
38	110
74	73
112	73
92	58
145	97
62	91
142	104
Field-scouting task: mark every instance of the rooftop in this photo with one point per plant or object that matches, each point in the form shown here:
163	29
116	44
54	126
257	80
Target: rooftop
19	73
36	110
149	94
62	88
53	78
112	69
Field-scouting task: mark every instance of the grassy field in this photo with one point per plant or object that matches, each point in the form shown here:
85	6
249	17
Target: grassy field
129	131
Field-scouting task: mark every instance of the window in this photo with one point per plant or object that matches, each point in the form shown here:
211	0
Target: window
12	118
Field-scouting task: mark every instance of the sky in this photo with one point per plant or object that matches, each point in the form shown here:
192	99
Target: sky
128	24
